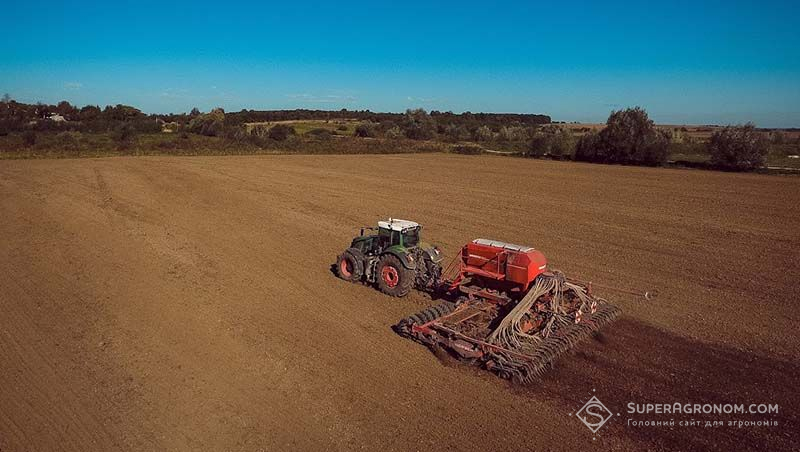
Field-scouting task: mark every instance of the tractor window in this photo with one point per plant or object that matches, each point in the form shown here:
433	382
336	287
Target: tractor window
411	237
364	245
387	237
392	238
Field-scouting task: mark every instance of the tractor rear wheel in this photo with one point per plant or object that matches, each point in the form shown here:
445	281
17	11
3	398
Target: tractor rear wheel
393	278
350	265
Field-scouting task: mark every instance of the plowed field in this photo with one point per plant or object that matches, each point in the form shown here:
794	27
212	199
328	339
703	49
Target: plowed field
188	304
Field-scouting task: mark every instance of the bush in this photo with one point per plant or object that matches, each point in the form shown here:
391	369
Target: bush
777	137
456	132
513	133
146	125
89	113
629	137
237	135
280	132
68	141
210	124
96	126
539	146
46	125
393	133
483	133
418	125
260	130
320	133
555	141
11	125
29	138
587	146
562	143
738	148
124	135
365	130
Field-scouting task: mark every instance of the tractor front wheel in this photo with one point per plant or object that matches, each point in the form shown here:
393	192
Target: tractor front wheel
350	265
393	278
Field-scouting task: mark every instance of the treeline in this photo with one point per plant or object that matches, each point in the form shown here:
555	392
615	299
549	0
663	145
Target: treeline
19	117
467	119
629	137
414	124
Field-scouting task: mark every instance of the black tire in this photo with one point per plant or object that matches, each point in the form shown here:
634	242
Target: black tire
403	278
350	265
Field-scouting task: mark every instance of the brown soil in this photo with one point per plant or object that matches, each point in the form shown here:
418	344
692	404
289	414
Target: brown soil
188	303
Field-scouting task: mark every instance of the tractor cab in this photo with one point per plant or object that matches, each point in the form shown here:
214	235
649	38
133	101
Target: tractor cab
401	233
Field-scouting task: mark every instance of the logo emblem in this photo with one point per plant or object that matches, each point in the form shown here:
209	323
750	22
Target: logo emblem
594	414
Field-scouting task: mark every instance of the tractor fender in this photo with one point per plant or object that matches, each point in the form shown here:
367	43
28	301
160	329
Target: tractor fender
356	253
405	258
432	253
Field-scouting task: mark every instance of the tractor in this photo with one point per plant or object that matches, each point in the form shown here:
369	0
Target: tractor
392	257
501	306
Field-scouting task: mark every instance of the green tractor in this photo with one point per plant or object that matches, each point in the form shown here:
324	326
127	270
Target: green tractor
393	257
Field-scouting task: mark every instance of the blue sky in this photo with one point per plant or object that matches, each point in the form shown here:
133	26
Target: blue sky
685	62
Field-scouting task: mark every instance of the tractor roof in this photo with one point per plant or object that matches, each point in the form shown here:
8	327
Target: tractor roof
397	224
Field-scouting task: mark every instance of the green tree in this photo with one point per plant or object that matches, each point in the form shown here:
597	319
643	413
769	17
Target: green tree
66	110
738	148
89	113
512	133
587	145
555	141
393	133
630	136
418	125
456	132
483	133
121	112
210	124
41	110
